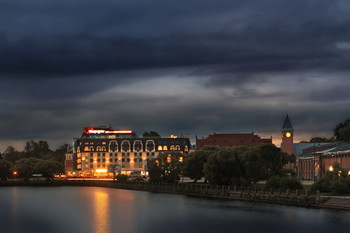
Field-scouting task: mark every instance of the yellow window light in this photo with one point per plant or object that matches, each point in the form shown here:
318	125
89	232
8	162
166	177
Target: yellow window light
101	170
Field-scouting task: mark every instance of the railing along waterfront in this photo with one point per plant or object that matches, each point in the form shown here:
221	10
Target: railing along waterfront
303	198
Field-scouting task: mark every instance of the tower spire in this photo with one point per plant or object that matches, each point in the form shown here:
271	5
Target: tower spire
287	125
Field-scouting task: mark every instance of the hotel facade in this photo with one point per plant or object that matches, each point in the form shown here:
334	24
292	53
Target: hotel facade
101	151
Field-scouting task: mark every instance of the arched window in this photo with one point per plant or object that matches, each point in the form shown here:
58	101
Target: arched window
150	146
98	148
165	147
125	146
186	148
172	147
113	146
104	148
160	148
91	148
137	145
86	148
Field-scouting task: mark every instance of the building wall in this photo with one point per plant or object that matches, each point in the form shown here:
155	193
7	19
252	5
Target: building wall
100	155
287	143
223	140
316	166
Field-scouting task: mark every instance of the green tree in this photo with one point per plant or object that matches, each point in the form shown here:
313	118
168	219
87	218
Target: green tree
226	167
152	134
25	167
336	181
5	171
166	167
253	163
273	160
48	168
342	131
11	154
321	140
194	163
37	149
60	153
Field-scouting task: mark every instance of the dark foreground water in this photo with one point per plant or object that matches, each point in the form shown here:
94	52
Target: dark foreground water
103	210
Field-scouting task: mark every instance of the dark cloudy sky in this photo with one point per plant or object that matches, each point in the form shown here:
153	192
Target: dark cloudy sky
183	66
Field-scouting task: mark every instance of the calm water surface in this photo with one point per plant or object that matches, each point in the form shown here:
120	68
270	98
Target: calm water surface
103	210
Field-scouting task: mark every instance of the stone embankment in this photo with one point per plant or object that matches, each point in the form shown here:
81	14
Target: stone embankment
286	197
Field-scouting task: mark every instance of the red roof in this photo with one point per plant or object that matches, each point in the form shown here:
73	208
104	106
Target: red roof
222	140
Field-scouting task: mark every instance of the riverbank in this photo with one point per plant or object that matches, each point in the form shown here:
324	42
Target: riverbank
303	198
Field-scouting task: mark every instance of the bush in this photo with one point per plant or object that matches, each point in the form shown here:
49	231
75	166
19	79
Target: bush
290	183
340	186
288	172
277	182
274	182
323	184
122	178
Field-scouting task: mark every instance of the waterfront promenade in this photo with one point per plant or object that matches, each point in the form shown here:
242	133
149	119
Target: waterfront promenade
303	198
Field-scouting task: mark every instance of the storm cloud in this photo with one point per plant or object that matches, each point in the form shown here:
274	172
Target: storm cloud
173	66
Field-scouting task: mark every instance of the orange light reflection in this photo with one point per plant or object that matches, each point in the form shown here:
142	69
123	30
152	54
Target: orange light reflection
101	215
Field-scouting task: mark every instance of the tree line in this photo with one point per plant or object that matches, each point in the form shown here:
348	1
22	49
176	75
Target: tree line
36	158
239	166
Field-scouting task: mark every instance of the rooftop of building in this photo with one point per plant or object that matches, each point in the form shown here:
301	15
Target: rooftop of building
287	125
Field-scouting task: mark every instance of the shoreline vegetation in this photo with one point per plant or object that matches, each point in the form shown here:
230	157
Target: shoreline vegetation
301	198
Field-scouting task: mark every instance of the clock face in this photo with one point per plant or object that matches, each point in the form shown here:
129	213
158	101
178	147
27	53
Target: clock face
288	135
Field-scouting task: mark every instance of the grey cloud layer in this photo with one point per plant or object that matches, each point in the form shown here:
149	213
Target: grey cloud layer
67	64
64	38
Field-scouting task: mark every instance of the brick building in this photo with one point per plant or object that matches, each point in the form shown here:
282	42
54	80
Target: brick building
316	160
222	140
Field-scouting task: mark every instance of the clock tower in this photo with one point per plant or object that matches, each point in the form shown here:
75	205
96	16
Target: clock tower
287	137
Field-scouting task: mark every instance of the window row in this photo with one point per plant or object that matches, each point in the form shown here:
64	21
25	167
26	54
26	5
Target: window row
124	146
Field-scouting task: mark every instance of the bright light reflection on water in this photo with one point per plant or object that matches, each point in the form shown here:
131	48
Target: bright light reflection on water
102	210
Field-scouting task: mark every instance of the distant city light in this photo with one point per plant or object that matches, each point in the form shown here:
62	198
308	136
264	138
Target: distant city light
101	170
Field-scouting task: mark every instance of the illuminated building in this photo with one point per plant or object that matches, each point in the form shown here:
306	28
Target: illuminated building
315	160
101	150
